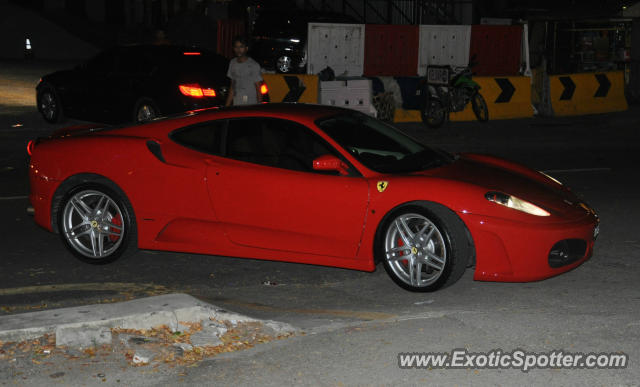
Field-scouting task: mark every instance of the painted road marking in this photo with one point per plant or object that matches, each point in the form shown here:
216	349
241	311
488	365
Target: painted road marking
577	170
14	197
91	286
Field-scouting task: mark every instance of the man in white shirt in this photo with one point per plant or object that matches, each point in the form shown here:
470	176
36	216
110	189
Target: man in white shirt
245	75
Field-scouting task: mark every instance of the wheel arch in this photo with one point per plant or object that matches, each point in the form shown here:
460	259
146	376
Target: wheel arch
73	181
424	204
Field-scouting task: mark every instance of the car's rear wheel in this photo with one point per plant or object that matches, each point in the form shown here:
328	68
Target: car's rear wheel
96	224
423	247
145	111
49	104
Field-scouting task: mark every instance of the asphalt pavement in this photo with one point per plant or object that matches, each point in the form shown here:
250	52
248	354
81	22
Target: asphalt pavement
356	323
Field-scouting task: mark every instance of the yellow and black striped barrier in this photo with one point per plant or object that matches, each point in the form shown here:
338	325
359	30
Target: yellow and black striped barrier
506	97
292	88
587	93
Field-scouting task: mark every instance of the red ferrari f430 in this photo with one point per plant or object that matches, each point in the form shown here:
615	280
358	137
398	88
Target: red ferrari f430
309	184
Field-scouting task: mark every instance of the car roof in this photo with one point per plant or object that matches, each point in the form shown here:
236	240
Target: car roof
303	113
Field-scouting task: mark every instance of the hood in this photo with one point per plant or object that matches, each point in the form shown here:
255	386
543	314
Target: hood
497	175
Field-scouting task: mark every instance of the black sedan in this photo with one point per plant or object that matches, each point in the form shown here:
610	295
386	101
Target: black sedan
280	38
135	83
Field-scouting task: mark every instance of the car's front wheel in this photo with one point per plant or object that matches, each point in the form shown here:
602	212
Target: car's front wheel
97	224
423	247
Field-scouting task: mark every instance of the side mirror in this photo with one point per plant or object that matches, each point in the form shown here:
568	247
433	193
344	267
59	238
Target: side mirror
330	163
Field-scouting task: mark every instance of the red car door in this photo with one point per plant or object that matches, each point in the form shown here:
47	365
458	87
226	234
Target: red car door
267	195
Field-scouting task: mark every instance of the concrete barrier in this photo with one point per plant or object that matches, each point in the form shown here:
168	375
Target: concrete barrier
587	93
292	88
506	97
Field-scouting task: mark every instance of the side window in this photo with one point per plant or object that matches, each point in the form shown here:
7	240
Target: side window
204	137
274	143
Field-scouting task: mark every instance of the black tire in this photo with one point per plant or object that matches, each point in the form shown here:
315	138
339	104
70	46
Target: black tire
49	104
433	113
284	64
479	106
128	238
454	237
145	110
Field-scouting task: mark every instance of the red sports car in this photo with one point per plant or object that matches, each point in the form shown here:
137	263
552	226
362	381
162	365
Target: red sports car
309	184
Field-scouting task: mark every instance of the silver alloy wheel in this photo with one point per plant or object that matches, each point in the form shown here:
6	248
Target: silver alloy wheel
415	250
284	64
145	113
48	105
93	224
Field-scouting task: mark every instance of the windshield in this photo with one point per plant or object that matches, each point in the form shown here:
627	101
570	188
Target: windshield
379	146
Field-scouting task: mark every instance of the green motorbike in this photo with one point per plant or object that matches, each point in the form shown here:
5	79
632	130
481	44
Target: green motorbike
449	89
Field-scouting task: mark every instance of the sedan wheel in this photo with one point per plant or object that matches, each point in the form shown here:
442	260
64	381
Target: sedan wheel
94	224
284	64
145	113
423	248
49	106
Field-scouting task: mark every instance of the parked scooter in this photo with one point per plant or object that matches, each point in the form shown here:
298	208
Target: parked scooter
449	89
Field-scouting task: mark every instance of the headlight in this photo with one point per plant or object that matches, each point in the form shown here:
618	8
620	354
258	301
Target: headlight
550	177
515	203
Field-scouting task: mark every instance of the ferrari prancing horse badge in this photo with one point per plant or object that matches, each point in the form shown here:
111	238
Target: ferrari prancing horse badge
382	185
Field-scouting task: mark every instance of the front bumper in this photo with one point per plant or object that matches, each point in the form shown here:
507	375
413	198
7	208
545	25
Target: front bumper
510	251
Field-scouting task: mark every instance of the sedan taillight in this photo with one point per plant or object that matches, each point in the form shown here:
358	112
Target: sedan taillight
194	90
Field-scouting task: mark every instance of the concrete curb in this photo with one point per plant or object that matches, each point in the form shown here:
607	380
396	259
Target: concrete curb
90	325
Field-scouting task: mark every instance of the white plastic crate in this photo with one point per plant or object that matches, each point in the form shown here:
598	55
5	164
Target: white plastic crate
352	94
339	46
443	45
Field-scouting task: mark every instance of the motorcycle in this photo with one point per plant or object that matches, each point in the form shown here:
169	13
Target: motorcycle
449	89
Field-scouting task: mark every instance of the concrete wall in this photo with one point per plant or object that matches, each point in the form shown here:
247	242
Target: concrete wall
48	40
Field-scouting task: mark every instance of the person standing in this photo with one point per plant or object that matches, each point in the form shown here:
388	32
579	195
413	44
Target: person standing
245	75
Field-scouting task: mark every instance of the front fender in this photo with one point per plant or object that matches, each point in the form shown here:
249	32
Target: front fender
456	196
